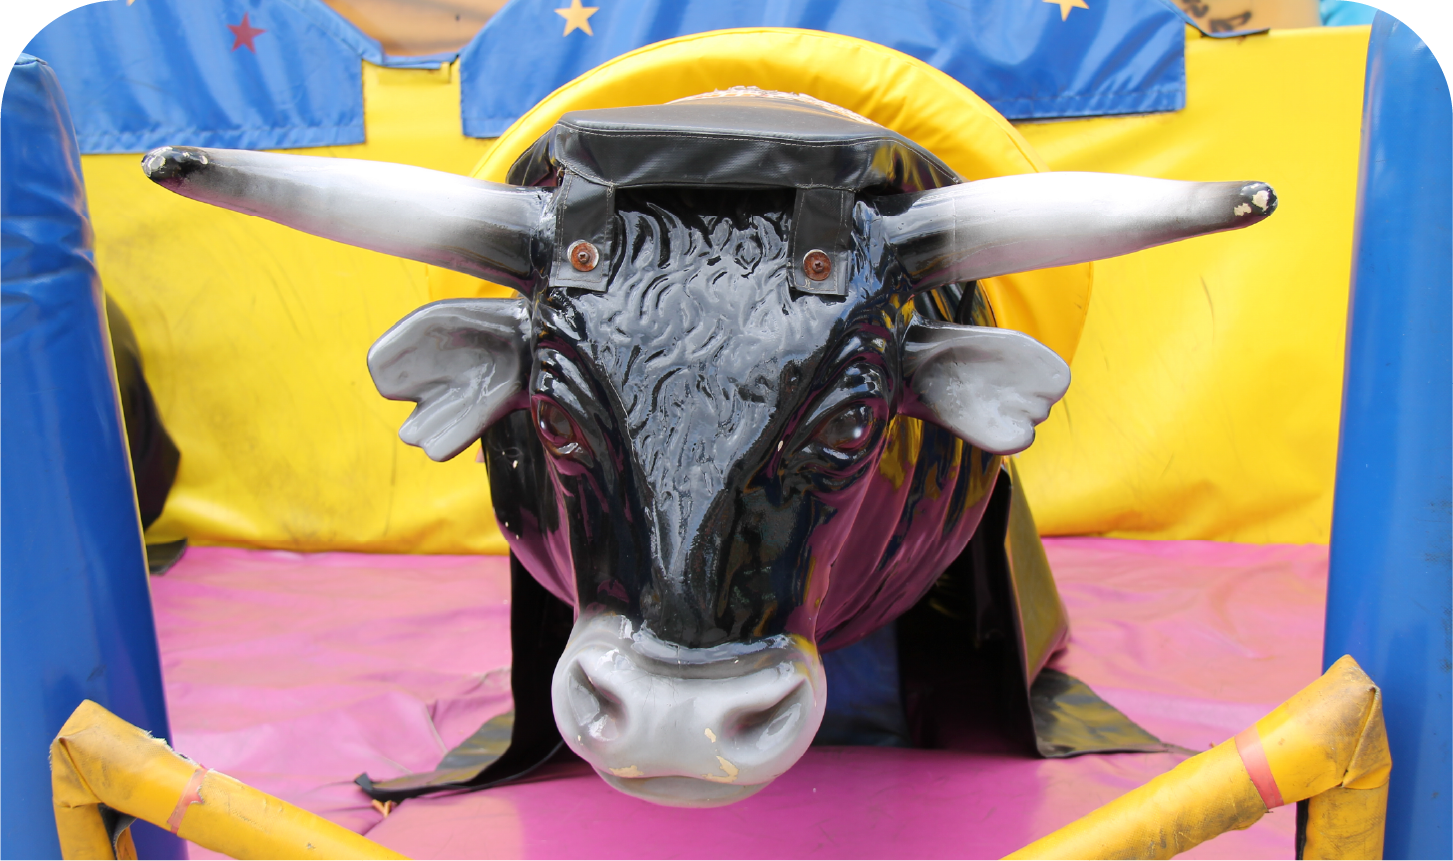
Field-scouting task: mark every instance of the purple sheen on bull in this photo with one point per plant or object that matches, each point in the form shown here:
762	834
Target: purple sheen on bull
722	472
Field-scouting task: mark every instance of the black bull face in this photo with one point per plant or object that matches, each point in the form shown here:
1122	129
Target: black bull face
721	471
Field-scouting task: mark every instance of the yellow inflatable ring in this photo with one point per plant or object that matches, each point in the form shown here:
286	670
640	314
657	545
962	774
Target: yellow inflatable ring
886	86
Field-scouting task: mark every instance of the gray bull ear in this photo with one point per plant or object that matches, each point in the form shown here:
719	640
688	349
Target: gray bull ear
479	228
463	361
1036	220
989	387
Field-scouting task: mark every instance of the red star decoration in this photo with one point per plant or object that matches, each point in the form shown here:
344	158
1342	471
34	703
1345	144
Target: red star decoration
243	34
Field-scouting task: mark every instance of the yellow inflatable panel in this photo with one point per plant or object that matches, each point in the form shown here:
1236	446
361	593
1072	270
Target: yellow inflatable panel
1207	377
1207	384
254	337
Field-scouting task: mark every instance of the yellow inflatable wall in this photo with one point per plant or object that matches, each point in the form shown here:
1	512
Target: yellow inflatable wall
1206	377
253	338
1208	382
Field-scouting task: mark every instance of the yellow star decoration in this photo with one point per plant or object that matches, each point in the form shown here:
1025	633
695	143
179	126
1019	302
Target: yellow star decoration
1064	6
577	17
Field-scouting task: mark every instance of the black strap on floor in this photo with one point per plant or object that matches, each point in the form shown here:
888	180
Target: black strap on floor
511	745
1072	720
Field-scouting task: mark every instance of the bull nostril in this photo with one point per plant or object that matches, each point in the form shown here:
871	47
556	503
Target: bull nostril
595	711
777	725
778	730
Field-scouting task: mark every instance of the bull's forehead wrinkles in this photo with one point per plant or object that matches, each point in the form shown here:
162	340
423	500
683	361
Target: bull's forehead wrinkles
701	362
703	346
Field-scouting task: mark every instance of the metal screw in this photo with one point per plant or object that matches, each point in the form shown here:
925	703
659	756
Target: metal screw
583	256
816	265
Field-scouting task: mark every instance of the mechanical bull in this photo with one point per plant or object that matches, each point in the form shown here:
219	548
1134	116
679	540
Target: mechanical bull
750	403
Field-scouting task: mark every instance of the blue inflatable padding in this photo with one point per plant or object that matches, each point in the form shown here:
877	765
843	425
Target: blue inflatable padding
75	605
239	74
1345	13
1390	592
1023	57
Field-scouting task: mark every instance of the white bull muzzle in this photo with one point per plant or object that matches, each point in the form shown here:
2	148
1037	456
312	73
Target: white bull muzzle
686	727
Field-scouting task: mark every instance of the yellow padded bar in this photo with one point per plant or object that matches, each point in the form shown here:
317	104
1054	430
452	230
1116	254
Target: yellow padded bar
1327	744
98	758
891	88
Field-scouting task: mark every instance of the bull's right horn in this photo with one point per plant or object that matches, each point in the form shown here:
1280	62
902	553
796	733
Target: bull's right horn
1036	220
479	228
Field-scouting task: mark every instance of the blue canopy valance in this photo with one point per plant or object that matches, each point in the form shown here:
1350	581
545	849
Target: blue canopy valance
271	74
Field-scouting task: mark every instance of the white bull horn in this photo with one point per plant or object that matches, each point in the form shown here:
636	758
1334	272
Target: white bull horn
483	229
1036	220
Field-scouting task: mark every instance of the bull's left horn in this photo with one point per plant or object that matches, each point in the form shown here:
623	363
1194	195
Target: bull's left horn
479	228
1036	220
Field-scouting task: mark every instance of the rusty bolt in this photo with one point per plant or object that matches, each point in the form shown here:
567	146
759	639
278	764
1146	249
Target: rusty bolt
583	255
816	265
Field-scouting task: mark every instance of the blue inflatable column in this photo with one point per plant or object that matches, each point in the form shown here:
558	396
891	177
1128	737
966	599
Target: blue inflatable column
75	605
1388	600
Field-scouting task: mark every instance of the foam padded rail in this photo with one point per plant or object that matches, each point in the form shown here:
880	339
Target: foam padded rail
106	773
1327	746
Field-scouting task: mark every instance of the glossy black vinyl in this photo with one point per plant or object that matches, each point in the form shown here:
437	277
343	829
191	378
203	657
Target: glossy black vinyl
714	454
749	139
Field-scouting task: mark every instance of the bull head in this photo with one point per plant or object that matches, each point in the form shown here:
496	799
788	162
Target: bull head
989	387
707	460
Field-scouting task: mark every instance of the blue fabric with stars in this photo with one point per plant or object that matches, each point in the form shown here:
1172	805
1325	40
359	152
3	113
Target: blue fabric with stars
192	72
1030	59
276	74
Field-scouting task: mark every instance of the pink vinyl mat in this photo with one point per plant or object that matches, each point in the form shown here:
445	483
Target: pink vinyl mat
295	672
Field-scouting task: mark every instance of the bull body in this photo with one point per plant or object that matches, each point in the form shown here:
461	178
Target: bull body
730	421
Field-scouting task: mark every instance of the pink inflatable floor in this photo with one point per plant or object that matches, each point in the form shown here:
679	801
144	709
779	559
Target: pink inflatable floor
295	672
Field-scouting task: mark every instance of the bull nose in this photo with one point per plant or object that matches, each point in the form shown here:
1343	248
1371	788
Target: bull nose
686	727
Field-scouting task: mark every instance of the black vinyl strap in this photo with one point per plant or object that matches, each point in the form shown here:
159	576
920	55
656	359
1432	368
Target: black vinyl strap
540	626
587	213
822	221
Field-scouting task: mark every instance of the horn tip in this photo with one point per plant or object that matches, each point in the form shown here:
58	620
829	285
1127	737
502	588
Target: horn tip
170	165
1256	199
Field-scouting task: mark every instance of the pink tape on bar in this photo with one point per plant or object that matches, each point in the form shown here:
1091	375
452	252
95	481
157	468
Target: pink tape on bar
1253	756
191	795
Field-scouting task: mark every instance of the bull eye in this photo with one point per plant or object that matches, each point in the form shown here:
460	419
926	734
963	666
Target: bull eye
556	428
849	431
